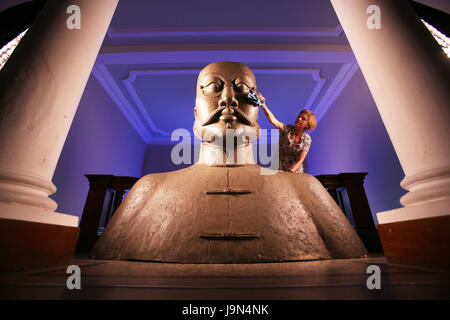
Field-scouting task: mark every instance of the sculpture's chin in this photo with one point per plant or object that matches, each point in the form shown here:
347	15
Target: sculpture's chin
220	131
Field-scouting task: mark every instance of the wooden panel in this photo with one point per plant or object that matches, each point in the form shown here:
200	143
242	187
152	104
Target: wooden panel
354	186
419	242
98	187
26	245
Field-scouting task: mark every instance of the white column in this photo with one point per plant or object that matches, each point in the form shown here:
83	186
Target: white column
40	88
408	76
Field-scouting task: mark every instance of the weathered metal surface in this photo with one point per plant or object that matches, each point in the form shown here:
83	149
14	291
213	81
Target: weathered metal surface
218	211
228	236
228	191
164	214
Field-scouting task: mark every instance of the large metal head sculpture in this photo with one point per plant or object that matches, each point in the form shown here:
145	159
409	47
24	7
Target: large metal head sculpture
214	212
222	103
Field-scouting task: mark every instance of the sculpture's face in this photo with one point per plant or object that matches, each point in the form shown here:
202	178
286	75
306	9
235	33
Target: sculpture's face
222	103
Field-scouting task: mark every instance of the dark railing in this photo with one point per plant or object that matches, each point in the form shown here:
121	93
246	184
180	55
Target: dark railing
347	189
106	193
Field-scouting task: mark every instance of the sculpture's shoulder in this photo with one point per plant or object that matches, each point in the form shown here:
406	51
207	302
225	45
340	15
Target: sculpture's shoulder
155	179
303	177
305	182
150	180
269	174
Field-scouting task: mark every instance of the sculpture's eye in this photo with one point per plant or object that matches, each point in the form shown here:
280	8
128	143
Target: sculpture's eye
242	87
212	89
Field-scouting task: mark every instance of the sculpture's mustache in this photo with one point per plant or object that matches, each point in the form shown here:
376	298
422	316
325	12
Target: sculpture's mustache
230	112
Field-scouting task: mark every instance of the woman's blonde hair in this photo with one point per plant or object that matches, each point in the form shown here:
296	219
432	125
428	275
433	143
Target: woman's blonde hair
312	122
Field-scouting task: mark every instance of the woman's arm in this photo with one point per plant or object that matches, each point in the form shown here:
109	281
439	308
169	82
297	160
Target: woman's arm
301	158
277	124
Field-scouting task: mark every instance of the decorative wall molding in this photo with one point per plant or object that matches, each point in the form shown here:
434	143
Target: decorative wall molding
334	90
128	83
135	112
133	74
206	53
314	73
225	32
108	83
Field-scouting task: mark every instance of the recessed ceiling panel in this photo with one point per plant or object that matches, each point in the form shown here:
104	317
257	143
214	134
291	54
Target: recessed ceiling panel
231	13
168	99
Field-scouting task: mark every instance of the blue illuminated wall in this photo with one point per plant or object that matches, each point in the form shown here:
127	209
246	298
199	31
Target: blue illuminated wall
351	137
100	141
138	96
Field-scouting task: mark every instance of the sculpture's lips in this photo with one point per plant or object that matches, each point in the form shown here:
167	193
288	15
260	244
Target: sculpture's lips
228	115
228	118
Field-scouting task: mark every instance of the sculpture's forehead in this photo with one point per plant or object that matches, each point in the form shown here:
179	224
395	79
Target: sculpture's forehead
227	71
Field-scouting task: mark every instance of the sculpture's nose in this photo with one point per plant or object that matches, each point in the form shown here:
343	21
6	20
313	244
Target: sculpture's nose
228	97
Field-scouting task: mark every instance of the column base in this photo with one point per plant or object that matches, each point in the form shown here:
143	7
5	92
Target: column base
32	214
28	245
427	210
422	239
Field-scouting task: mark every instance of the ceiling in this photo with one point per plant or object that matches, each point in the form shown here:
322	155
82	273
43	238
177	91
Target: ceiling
153	52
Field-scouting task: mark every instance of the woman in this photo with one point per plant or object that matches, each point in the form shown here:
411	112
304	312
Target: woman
294	142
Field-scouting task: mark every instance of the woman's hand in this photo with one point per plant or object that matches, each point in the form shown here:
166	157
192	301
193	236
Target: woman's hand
260	96
298	164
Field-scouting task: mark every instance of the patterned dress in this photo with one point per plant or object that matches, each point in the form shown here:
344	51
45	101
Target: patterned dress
289	150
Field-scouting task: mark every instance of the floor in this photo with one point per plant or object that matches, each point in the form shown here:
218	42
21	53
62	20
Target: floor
322	280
